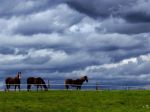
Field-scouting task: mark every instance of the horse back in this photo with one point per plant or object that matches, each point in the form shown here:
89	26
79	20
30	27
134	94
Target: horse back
11	80
68	81
40	80
73	82
30	80
7	80
16	80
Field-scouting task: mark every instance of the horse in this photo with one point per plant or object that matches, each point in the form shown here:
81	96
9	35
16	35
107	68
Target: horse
75	83
13	81
39	82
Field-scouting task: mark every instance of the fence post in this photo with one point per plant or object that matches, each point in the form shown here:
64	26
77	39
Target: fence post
127	88
48	84
97	86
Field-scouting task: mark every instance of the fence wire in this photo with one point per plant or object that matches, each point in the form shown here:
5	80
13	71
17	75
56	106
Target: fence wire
83	87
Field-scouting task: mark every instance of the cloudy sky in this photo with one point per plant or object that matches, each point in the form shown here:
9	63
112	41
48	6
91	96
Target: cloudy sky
108	40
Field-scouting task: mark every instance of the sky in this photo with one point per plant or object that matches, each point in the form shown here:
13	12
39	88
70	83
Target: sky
107	40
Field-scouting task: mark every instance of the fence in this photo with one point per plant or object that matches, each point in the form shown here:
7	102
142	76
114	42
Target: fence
84	87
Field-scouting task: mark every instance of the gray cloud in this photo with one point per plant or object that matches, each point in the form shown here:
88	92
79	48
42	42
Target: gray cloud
137	12
48	21
118	25
116	16
97	8
129	71
68	38
97	49
130	10
25	7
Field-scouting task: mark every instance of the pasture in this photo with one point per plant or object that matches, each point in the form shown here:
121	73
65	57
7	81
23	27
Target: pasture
75	101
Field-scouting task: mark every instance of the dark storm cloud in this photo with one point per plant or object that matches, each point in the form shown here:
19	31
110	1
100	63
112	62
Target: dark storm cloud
67	38
55	54
136	17
114	25
10	8
48	21
116	16
97	8
137	12
6	50
128	68
49	59
130	10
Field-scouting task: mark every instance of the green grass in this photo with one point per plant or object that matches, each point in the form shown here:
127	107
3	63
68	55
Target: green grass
75	101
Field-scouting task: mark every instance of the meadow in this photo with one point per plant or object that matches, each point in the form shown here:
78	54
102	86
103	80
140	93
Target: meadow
76	101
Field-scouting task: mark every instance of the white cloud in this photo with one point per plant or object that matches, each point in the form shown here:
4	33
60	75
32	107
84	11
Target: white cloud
55	19
136	69
60	39
86	25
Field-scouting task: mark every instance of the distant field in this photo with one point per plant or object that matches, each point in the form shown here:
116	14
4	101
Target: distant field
75	101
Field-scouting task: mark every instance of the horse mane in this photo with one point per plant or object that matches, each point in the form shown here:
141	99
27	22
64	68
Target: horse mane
18	75
83	77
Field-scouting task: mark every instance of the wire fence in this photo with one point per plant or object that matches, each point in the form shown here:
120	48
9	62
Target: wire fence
73	87
93	84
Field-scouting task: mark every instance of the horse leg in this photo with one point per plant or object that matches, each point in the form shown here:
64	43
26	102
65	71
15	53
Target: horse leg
37	87
28	87
41	87
7	87
67	87
79	87
15	87
19	87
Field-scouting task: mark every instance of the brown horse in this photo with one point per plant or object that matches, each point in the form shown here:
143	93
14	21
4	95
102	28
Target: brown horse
13	81
39	82
75	83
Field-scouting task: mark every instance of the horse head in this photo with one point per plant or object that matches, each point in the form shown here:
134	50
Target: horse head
86	78
46	89
19	75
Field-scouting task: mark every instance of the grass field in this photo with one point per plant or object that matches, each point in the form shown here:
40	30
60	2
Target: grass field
75	101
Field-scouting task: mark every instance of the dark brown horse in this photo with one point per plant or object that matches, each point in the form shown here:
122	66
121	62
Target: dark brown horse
39	82
75	83
13	81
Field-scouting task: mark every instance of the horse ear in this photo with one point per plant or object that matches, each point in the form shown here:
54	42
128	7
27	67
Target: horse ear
19	73
85	76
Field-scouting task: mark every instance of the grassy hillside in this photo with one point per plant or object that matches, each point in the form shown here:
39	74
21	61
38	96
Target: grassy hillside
75	101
